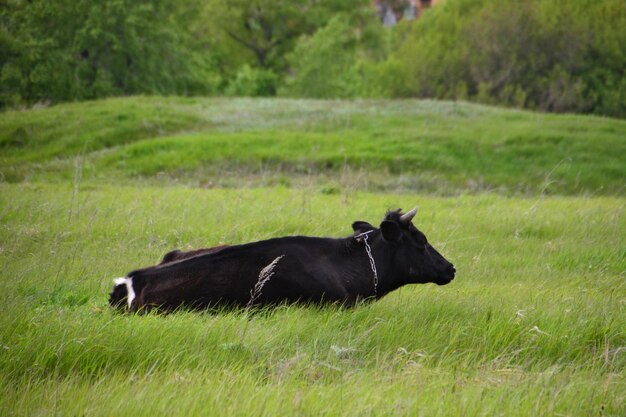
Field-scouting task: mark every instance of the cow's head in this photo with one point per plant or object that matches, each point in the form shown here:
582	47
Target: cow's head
414	259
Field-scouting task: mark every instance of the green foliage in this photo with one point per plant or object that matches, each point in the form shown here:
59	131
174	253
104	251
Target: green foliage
323	65
539	54
67	50
268	29
253	82
548	55
338	60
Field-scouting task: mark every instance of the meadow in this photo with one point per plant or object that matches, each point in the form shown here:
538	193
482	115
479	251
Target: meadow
528	206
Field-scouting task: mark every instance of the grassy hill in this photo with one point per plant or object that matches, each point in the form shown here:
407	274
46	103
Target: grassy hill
534	323
429	146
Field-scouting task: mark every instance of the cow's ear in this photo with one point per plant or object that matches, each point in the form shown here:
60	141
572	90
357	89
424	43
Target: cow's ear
362	227
391	231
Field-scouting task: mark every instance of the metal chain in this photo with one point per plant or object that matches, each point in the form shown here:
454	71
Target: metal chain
372	263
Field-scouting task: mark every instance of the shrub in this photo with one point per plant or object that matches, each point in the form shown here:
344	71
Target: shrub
549	55
253	82
322	65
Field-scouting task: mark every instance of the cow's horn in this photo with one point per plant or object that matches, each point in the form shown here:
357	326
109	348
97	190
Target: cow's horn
407	217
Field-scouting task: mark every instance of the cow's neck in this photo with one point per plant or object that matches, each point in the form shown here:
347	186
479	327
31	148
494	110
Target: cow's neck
388	278
383	258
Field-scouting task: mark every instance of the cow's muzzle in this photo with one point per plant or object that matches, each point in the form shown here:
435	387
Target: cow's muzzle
447	275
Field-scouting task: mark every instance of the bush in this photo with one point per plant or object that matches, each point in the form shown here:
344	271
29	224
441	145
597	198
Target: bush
342	59
549	55
322	65
253	82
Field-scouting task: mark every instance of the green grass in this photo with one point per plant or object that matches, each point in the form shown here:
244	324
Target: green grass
410	145
534	324
70	129
529	207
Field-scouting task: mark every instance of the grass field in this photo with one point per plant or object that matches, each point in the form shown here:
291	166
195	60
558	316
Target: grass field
534	324
406	145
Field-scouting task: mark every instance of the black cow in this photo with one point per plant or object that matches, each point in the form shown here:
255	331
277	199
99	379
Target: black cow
292	269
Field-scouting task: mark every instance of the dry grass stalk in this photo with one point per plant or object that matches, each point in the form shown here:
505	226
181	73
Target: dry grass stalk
264	276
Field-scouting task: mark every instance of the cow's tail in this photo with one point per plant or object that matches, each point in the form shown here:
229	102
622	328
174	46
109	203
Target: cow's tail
123	294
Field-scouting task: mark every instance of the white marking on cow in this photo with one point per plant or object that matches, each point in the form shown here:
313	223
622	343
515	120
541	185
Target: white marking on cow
129	288
131	291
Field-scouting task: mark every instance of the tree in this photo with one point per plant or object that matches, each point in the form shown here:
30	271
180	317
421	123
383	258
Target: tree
79	49
268	29
334	61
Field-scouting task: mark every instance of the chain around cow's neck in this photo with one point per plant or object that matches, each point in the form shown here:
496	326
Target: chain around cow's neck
364	235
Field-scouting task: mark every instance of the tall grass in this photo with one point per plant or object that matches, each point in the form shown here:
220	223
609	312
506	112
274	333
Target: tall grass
534	324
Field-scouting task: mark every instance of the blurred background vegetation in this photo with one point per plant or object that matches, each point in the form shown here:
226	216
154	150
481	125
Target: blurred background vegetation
548	55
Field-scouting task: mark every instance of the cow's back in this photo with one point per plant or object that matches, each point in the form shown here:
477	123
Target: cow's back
229	276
